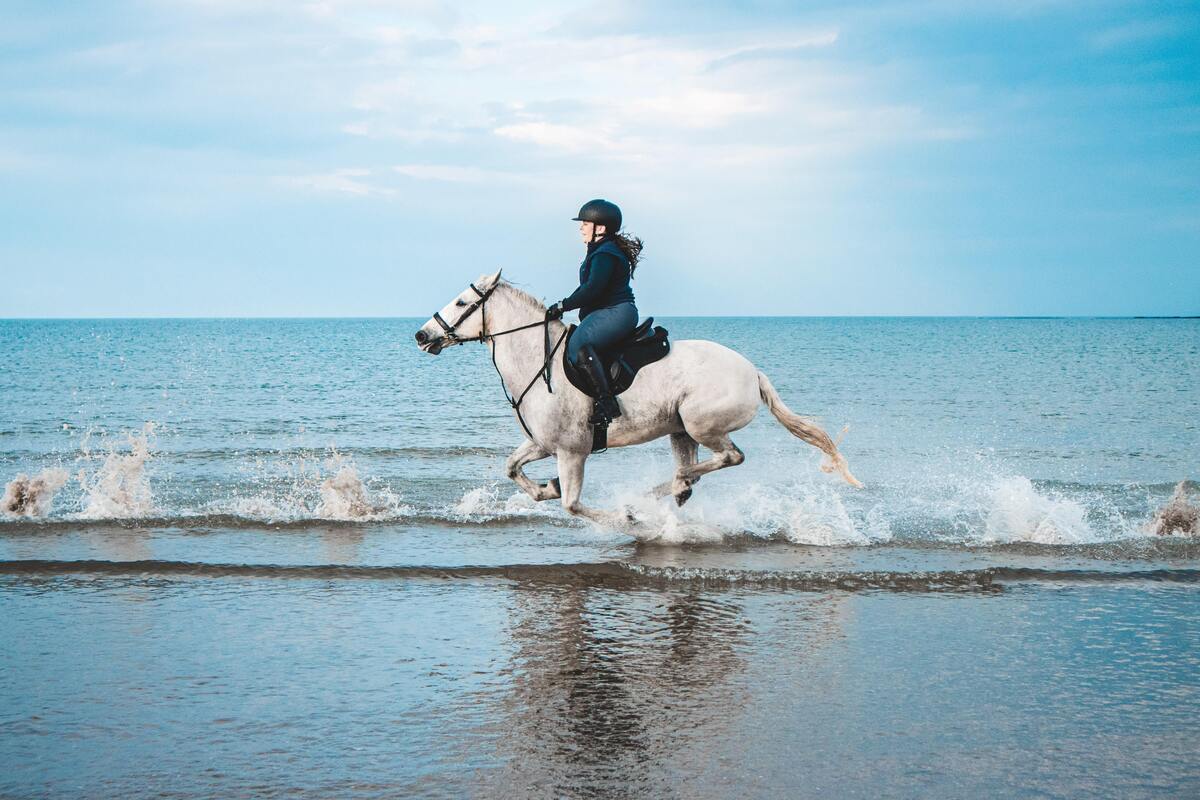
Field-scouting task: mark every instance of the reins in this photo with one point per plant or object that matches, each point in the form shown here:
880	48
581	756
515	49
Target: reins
483	336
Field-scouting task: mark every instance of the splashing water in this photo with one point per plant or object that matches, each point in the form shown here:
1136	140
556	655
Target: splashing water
1019	514
485	502
32	497
1179	515
340	493
972	504
343	495
120	487
656	521
811	514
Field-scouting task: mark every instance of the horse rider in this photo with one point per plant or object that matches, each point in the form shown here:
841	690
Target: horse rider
604	299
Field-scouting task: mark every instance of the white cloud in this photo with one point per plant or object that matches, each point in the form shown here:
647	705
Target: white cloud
340	181
697	107
383	95
767	50
1134	33
456	174
412	83
570	138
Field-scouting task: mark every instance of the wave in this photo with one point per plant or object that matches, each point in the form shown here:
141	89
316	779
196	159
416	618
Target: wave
967	511
232	521
236	453
1009	512
974	506
291	486
809	514
619	574
341	497
356	452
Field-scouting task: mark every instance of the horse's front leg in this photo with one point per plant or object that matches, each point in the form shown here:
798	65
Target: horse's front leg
526	453
570	472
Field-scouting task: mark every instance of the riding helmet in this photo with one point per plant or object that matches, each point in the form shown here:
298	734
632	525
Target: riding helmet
600	212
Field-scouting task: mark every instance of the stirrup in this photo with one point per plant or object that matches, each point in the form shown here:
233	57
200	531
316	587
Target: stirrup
600	437
604	410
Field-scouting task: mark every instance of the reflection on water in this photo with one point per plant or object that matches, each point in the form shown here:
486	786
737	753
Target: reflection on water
334	685
119	544
625	693
341	545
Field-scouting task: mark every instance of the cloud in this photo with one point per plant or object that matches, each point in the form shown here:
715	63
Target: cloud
451	173
568	138
440	14
340	181
775	51
696	107
845	118
375	83
1133	33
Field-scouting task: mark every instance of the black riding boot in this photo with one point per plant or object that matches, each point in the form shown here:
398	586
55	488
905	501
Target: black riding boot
606	408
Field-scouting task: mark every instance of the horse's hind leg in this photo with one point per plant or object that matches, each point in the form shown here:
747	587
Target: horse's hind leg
526	453
684	447
724	454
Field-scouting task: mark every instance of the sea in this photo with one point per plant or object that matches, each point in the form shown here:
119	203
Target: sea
281	558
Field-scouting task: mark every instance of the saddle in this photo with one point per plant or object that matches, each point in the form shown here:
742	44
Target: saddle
622	361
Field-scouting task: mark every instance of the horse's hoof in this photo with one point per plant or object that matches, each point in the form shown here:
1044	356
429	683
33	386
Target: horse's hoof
683	496
553	489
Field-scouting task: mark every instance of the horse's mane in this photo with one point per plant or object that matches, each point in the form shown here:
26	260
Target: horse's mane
525	297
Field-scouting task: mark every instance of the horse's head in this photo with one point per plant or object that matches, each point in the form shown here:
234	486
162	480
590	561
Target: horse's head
461	319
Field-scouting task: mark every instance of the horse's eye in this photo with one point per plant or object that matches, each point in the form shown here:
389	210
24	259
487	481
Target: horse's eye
460	303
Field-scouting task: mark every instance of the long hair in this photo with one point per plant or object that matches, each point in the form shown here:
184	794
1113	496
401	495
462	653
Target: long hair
631	247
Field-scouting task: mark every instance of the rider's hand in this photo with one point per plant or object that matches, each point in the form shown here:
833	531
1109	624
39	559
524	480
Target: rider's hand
554	312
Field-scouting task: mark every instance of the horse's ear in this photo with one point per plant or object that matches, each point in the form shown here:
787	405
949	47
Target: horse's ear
492	280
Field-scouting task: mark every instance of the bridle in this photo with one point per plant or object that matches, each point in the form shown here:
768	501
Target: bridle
450	332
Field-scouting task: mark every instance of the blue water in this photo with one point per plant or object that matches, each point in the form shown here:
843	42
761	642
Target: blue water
284	558
943	414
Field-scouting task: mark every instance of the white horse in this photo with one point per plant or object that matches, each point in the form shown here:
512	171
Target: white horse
698	394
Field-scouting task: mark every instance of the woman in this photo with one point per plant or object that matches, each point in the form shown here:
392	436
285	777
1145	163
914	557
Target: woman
605	302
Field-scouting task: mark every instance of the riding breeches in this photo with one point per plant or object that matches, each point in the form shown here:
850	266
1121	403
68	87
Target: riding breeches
602	329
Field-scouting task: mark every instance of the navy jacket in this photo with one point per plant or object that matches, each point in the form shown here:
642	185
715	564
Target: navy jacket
603	279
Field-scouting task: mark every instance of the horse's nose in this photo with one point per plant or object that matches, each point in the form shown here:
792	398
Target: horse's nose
422	337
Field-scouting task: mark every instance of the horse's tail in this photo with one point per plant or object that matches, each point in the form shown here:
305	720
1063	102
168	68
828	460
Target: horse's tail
805	429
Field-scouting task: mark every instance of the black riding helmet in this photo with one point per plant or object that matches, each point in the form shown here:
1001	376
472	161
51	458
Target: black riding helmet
600	212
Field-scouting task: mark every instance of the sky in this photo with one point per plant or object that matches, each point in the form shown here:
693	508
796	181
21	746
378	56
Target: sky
369	158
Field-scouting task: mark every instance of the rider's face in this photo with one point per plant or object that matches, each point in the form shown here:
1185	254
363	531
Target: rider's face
590	230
